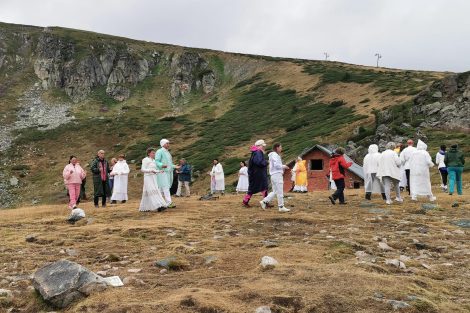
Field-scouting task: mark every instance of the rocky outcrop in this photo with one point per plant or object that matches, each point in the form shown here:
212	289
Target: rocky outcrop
446	103
63	64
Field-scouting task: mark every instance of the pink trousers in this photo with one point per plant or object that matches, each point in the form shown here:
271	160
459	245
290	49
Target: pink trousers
74	193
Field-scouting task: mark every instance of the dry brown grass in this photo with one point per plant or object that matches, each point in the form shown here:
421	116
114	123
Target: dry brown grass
316	273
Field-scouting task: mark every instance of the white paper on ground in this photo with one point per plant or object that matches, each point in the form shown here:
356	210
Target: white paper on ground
114	281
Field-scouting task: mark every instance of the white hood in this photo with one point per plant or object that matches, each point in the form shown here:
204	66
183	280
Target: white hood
421	145
373	149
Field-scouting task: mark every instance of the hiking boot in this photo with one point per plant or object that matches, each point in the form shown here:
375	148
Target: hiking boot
333	201
283	209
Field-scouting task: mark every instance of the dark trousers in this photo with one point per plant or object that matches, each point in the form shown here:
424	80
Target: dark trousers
339	193
407	172
444	175
103	198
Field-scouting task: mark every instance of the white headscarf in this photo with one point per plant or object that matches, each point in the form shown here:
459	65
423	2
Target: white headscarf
164	142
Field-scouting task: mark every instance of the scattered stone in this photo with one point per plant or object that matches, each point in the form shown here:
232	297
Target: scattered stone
437	94
364	257
330	237
397	305
6	296
379	295
131	280
268	262
404	258
379	211
426	266
421	246
173	263
323	231
71	252
384	246
76	215
63	282
423	230
411	298
462	223
397	263
263	309
163	271
429	206
102	273
31	238
14	181
134	270
210	259
270	243
365	204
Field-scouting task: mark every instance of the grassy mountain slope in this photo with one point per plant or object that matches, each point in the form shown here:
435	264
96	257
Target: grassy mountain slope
297	102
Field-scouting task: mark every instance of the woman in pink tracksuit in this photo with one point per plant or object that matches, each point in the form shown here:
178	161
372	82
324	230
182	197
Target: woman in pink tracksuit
73	175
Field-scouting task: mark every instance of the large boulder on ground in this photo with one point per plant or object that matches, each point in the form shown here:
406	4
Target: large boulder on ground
63	282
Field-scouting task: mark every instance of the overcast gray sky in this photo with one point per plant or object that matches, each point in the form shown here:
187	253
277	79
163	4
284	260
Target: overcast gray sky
414	34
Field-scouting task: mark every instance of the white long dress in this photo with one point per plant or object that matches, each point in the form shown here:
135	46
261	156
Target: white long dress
121	174
420	180
217	178
242	185
371	165
152	198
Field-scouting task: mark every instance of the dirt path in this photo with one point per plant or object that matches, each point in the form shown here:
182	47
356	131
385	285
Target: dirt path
219	246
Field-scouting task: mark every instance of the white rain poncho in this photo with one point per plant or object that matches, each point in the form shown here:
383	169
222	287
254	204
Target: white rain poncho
371	166
420	180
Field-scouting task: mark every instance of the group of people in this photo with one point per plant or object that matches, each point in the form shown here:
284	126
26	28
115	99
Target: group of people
409	168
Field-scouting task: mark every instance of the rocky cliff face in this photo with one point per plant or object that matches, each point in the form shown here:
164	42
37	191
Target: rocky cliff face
446	103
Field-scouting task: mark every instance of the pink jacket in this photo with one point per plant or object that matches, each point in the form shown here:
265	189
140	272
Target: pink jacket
76	177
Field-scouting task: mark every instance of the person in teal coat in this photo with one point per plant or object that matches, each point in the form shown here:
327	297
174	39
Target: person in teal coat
164	162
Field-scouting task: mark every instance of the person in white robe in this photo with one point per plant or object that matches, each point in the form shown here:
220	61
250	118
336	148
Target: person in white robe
242	185
152	199
420	180
217	177
371	165
405	156
389	172
120	173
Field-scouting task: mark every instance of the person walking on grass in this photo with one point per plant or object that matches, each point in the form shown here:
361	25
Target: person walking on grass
242	185
301	180
420	162
152	199
120	172
276	171
184	178
338	165
100	169
73	175
217	177
165	167
389	172
441	165
257	172
405	157
455	161
371	164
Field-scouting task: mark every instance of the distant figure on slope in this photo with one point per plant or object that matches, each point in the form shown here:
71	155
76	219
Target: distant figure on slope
420	162
276	171
338	165
120	172
389	172
455	161
242	185
100	169
165	166
371	165
73	175
152	199
441	165
301	181
257	172
184	178
217	177
405	156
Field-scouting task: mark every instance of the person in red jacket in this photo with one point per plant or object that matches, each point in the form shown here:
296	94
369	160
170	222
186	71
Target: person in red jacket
338	165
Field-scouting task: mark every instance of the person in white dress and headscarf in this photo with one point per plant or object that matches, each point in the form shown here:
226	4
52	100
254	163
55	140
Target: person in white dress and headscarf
120	173
371	165
217	177
420	180
242	185
152	199
389	172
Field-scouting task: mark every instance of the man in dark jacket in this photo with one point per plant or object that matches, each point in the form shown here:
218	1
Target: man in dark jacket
338	165
454	161
100	169
257	172
184	178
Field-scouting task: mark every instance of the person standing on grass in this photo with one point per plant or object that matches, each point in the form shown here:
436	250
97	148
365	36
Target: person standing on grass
371	164
152	199
257	172
338	165
420	162
120	172
73	175
242	185
405	157
184	178
165	166
217	177
100	169
276	171
441	165
301	181
455	160
111	177
389	172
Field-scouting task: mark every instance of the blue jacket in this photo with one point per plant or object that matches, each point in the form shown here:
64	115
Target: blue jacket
185	173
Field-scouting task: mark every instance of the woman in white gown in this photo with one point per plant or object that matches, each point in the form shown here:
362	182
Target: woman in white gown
217	178
242	185
120	173
152	199
420	180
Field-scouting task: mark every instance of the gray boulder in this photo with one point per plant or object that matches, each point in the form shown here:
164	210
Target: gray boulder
63	282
